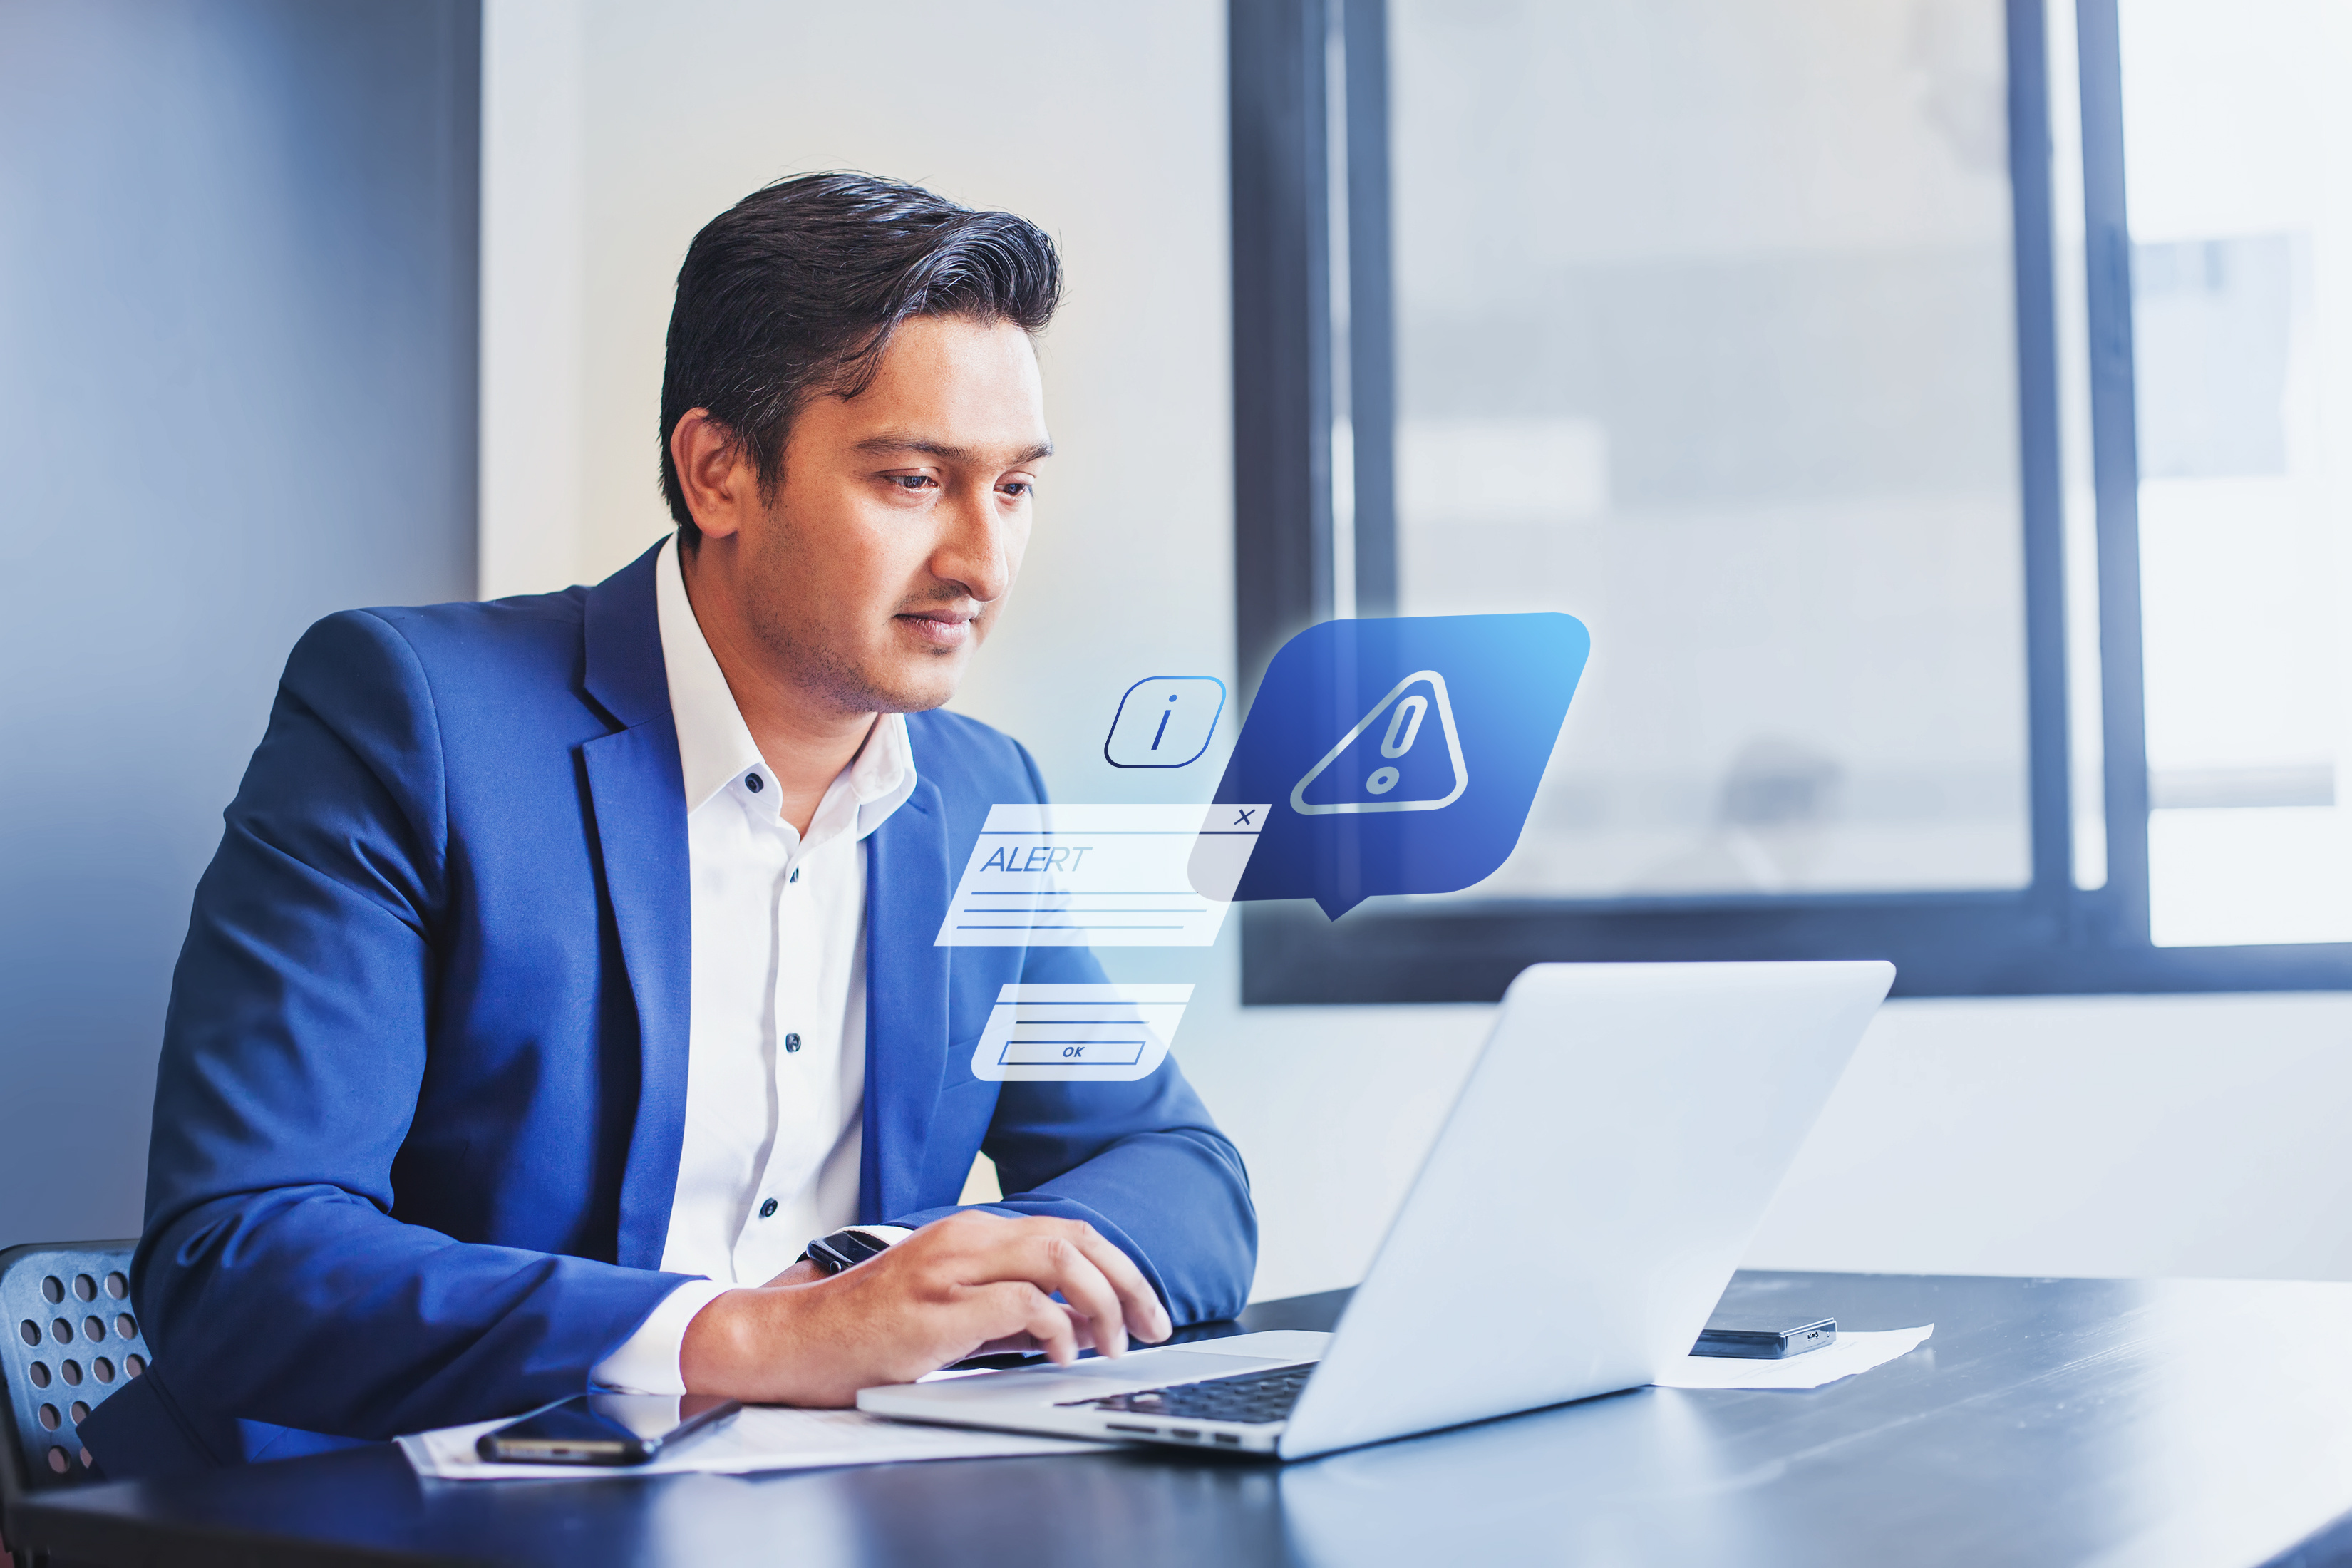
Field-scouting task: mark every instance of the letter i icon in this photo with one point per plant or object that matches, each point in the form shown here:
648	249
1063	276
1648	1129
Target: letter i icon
1165	722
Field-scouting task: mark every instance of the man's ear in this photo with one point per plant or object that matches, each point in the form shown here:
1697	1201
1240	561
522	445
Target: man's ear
714	472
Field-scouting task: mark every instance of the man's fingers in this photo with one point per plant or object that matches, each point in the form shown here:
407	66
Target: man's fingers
1143	1315
1026	1343
1018	1308
1063	1267
1072	1259
1068	1258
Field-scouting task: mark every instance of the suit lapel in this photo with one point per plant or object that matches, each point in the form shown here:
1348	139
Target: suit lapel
906	887
639	798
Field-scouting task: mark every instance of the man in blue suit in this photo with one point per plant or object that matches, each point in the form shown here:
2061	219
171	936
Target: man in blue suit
567	967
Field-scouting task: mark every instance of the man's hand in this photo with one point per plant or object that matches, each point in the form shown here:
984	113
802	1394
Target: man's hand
968	1283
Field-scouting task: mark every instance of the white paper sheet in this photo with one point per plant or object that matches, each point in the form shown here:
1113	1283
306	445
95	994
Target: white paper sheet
765	1437
1852	1354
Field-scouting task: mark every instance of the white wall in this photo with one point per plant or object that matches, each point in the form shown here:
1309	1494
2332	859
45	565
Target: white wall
2099	1136
287	264
534	282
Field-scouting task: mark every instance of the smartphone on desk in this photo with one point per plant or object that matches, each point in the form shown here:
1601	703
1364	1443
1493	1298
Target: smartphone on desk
604	1429
1753	1338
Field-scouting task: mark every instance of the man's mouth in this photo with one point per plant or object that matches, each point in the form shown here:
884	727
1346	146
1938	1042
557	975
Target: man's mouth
939	628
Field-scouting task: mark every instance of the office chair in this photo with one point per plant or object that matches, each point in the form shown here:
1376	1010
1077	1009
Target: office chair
71	1341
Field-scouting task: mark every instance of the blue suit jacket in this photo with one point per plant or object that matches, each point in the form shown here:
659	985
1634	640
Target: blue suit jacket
422	1086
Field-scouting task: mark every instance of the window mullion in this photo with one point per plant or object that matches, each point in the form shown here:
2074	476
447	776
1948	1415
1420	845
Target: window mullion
2042	494
2114	449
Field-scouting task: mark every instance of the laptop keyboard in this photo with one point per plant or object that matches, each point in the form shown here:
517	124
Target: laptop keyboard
1255	1399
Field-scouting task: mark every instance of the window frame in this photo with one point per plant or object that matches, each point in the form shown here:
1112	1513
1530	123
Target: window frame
1310	226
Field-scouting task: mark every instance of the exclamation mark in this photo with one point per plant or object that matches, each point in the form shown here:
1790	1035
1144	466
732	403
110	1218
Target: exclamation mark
1163	724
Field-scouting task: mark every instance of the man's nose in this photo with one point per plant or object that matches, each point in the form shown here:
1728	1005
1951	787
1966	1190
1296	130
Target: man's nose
971	547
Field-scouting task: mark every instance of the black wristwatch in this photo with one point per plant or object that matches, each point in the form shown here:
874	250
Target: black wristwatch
848	1248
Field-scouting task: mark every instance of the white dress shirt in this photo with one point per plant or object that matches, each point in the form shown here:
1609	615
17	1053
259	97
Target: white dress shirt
775	1083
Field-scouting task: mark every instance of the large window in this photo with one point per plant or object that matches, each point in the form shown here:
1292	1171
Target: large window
1961	554
2238	135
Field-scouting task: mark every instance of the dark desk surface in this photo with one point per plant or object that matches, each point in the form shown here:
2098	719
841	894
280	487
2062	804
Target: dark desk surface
2049	1421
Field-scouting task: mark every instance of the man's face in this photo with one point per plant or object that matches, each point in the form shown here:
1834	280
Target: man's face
900	522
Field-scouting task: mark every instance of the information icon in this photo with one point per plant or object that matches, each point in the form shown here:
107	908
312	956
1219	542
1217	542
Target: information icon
1165	722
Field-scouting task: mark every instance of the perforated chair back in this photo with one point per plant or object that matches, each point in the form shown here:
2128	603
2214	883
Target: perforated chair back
71	1340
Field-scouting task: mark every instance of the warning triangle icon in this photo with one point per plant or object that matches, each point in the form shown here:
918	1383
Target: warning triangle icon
1411	759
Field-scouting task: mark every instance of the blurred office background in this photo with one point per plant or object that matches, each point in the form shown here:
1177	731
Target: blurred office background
236	358
1702	322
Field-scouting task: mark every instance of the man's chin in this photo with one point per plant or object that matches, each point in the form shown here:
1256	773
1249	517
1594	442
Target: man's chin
916	691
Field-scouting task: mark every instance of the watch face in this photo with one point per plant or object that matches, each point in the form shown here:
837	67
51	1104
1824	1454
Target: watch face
854	1246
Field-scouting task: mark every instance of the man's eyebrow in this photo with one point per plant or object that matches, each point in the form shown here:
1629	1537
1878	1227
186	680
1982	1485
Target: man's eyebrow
947	452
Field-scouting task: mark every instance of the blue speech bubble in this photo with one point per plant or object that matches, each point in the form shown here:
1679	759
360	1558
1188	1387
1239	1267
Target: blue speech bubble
1400	755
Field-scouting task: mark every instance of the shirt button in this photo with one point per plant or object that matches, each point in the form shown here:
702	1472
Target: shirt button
795	876
754	782
768	1209
792	1043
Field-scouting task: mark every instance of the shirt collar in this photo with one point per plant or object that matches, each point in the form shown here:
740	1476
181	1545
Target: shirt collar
715	747
882	775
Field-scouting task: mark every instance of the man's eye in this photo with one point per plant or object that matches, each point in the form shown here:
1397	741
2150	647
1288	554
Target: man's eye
1016	487
913	481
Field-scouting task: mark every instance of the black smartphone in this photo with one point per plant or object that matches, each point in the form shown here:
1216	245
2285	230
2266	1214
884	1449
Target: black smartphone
1754	1340
603	1429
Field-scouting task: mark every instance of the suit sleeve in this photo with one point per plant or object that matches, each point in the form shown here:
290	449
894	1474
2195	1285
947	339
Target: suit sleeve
275	1283
1143	1162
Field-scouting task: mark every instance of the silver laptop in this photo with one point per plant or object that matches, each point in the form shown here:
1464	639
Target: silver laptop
1584	1206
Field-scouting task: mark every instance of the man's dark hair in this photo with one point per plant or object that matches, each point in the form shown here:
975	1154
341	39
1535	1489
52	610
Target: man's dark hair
796	290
